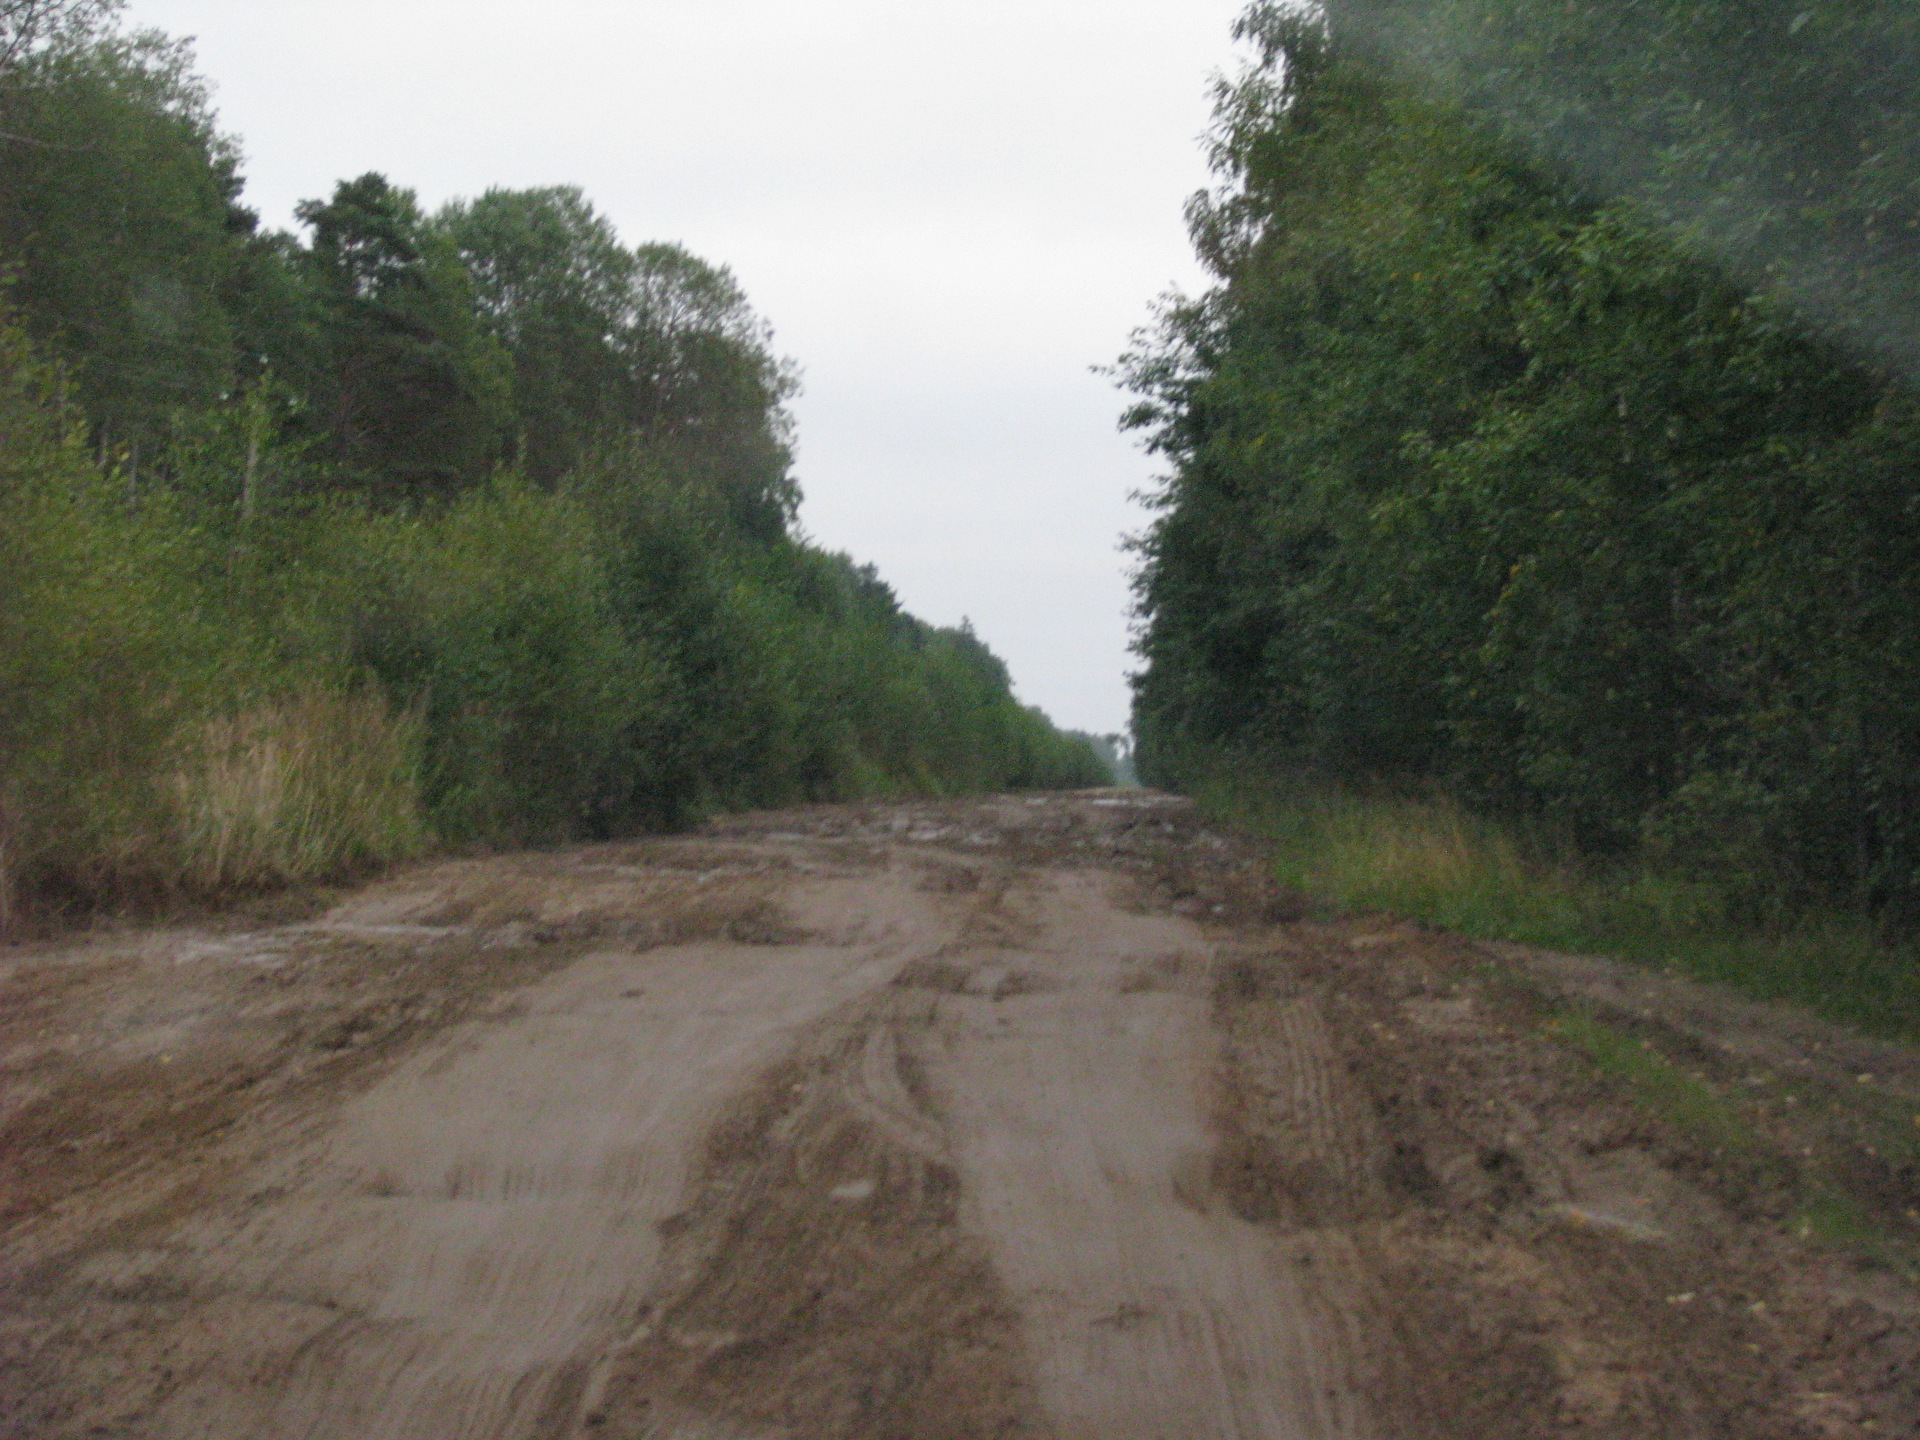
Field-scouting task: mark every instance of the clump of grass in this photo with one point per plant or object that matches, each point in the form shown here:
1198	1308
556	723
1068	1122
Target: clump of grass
314	786
1431	860
1428	859
1826	1212
318	785
1659	1086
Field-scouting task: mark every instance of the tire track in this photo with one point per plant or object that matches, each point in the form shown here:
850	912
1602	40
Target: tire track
478	1225
1079	1111
819	1283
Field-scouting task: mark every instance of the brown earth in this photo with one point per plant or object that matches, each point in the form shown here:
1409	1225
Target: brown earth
1035	1117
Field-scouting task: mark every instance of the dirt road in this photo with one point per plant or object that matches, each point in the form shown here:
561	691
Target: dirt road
1040	1116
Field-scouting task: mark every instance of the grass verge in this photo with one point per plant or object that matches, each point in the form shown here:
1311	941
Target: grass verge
1430	860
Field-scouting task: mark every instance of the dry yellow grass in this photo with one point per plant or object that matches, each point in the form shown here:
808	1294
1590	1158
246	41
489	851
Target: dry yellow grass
299	789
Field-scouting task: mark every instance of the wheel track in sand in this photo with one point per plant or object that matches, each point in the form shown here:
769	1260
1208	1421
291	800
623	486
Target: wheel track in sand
967	1131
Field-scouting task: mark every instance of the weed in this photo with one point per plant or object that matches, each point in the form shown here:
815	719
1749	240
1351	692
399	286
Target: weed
1825	1210
1657	1085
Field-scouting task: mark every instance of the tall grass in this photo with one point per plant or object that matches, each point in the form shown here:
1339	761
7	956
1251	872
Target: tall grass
318	785
312	787
1431	860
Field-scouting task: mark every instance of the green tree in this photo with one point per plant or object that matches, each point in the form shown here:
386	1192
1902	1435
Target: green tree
25	25
1781	139
483	520
609	342
709	390
1488	474
554	285
120	218
411	392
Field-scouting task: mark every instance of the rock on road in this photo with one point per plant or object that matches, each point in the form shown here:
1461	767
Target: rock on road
1037	1116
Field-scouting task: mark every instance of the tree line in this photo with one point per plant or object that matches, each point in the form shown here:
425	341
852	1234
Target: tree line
1547	433
474	526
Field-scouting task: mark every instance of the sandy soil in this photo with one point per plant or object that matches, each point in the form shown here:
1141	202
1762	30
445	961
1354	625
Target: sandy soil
1032	1117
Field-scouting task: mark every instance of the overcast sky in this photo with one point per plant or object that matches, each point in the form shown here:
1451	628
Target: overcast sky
948	215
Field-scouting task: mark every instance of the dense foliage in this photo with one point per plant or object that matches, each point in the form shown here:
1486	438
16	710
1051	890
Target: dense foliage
1782	139
1502	456
477	526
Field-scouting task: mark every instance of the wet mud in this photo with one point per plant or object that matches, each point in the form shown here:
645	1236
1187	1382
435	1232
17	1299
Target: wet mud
1043	1116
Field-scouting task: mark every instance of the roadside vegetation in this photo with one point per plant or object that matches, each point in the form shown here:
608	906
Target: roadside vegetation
1537	552
1429	858
471	528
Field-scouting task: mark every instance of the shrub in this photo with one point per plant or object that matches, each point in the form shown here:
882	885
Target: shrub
143	744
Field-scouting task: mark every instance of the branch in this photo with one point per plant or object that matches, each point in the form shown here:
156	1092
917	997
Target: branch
42	144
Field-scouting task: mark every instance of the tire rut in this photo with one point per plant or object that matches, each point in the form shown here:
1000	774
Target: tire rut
1041	1117
820	1282
1079	1107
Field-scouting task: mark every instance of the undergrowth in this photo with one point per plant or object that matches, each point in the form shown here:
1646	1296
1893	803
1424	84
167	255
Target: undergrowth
198	700
1431	860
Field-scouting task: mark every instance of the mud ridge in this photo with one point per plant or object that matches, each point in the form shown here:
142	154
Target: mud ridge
820	1283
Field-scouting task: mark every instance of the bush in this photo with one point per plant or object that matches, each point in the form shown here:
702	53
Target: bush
533	699
145	744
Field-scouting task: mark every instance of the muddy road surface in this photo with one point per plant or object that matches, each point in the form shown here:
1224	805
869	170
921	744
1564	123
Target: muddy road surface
1044	1117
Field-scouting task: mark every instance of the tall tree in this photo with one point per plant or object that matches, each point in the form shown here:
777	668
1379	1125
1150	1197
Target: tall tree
709	388
27	24
1782	138
554	285
1488	473
611	346
410	390
120	215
